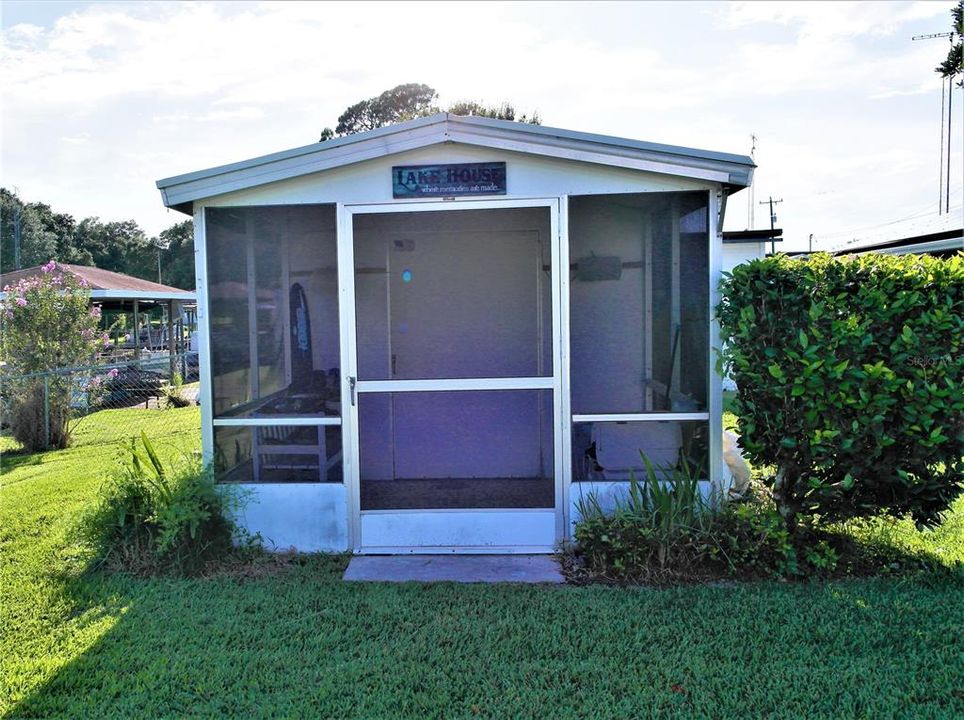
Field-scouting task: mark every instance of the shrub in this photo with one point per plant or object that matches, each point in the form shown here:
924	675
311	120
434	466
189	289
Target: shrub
153	517
33	426
173	393
751	538
45	323
652	527
849	381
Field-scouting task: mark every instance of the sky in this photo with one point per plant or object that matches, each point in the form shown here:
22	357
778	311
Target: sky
98	100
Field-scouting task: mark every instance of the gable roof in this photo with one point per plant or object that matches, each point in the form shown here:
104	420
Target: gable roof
105	284
733	171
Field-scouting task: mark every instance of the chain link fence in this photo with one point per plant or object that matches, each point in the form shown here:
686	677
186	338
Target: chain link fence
156	393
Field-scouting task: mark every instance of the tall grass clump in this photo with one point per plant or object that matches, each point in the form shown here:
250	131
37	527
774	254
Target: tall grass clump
652	528
154	517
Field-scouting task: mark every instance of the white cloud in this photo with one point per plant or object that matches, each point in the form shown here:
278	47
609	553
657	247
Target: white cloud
113	96
832	19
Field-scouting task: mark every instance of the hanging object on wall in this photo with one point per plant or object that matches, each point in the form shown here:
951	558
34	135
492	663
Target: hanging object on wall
300	322
596	268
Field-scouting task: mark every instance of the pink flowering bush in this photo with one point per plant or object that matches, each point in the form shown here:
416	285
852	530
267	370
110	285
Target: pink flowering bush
46	323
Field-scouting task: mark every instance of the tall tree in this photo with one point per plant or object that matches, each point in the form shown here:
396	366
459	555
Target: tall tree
24	241
177	258
409	101
954	64
62	226
120	246
402	102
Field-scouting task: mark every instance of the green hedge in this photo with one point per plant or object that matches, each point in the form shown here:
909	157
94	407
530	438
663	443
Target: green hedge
850	381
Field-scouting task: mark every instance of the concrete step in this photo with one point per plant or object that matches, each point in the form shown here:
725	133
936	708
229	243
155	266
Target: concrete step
454	568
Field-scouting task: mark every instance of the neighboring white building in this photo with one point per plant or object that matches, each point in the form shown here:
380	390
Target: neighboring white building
437	336
740	247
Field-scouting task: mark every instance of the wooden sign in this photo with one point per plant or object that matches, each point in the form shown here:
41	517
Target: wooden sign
413	181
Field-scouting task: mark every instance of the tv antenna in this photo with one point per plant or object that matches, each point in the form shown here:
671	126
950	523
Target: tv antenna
944	177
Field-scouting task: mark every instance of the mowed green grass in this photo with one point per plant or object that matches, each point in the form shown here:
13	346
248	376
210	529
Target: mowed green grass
304	644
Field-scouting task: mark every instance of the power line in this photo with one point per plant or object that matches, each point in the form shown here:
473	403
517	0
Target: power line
923	212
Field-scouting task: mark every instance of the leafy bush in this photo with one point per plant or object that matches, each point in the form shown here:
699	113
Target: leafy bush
46	322
751	539
849	375
652	526
155	518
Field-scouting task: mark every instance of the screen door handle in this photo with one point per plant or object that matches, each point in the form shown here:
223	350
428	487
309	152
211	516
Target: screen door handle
351	388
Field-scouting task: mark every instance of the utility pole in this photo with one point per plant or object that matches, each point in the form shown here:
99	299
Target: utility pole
947	177
950	94
751	195
940	187
773	221
16	237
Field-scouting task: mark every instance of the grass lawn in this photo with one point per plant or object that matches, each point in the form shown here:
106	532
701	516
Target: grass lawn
303	644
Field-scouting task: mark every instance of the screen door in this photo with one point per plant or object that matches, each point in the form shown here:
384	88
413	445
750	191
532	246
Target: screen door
454	376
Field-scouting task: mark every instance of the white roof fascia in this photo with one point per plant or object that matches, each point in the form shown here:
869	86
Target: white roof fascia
185	296
589	157
923	247
610	149
305	149
273	170
479	132
481	124
140	295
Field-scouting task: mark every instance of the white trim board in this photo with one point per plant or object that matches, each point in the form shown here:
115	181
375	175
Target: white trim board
735	171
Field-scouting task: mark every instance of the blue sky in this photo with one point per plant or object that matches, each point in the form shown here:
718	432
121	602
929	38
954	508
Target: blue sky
101	99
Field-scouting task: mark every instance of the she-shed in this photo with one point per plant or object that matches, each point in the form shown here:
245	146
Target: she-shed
437	336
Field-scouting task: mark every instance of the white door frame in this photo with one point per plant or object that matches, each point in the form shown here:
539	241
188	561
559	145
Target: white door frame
521	519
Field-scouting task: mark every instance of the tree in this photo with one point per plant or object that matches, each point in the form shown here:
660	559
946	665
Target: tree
505	111
177	259
954	64
409	101
62	226
120	246
24	241
403	102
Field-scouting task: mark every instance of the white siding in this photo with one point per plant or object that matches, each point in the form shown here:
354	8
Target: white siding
527	176
736	253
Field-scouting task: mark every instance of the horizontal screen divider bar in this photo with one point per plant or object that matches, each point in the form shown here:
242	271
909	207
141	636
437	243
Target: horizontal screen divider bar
383	386
641	417
275	421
